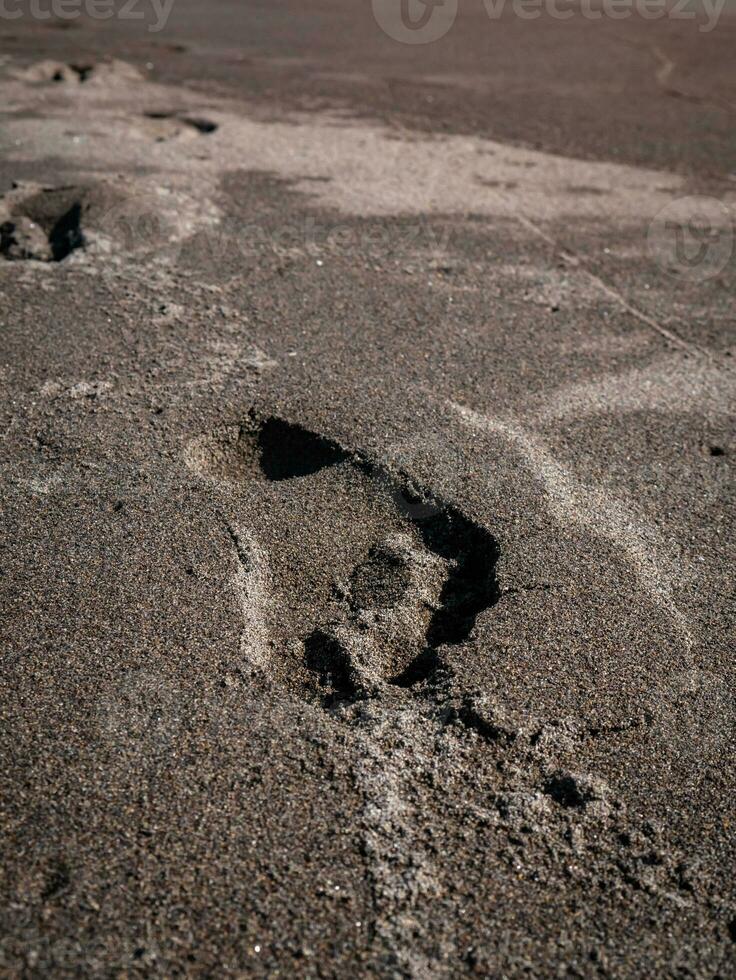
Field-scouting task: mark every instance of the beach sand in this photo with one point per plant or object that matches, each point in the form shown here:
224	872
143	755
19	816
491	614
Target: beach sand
367	475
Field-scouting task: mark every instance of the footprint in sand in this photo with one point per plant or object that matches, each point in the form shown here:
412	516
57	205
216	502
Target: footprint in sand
164	125
106	218
368	576
41	224
96	74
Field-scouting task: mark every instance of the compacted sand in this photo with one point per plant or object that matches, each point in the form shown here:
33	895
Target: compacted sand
366	569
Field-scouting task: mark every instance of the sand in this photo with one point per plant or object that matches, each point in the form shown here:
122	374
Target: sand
366	570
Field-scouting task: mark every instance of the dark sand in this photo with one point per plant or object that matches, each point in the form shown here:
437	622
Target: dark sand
366	570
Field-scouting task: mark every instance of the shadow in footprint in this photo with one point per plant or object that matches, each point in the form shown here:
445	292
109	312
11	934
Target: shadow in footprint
66	234
288	451
471	585
198	123
327	658
421	669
